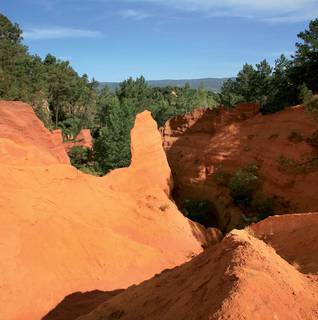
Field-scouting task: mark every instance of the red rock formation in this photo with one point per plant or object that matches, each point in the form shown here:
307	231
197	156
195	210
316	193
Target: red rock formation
239	278
83	139
294	237
63	231
57	136
25	140
204	142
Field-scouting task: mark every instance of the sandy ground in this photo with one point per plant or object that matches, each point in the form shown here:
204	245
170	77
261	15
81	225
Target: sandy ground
240	278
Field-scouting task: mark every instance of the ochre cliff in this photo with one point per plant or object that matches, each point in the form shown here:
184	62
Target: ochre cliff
205	142
63	231
24	140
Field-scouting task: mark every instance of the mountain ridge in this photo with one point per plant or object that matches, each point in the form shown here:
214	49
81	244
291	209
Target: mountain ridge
213	84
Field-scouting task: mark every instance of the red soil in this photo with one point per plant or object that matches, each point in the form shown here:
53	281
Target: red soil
239	278
83	139
24	140
204	142
294	237
63	231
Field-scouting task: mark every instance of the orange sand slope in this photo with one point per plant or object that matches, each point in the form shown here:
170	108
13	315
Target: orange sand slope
239	278
62	231
24	140
294	237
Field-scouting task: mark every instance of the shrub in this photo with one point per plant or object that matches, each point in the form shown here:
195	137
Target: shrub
295	136
263	205
249	220
202	211
245	189
311	106
305	95
70	128
82	159
243	184
79	156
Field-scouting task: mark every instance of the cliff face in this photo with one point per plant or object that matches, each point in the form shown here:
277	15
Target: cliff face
24	139
62	231
205	143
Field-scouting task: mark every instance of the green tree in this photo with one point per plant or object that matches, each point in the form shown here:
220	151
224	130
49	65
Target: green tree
69	95
12	59
112	147
106	100
246	83
135	93
263	82
251	85
229	95
281	93
306	58
9	31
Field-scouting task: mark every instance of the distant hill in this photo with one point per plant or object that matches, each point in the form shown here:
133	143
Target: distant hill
213	84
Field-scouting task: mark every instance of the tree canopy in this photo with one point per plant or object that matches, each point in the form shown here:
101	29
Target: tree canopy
64	99
277	87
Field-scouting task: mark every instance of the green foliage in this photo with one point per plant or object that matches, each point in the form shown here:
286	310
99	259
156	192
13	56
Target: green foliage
116	112
305	94
82	159
245	188
203	211
243	184
27	78
251	85
63	99
112	147
8	31
169	102
230	95
311	105
70	128
69	95
281	86
79	156
263	205
306	58
281	93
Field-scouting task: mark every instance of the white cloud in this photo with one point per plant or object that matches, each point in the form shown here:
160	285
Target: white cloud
134	14
267	10
58	33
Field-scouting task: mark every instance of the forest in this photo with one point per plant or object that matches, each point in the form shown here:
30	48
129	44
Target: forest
63	99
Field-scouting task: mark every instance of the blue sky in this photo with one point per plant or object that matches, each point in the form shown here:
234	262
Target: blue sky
114	39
